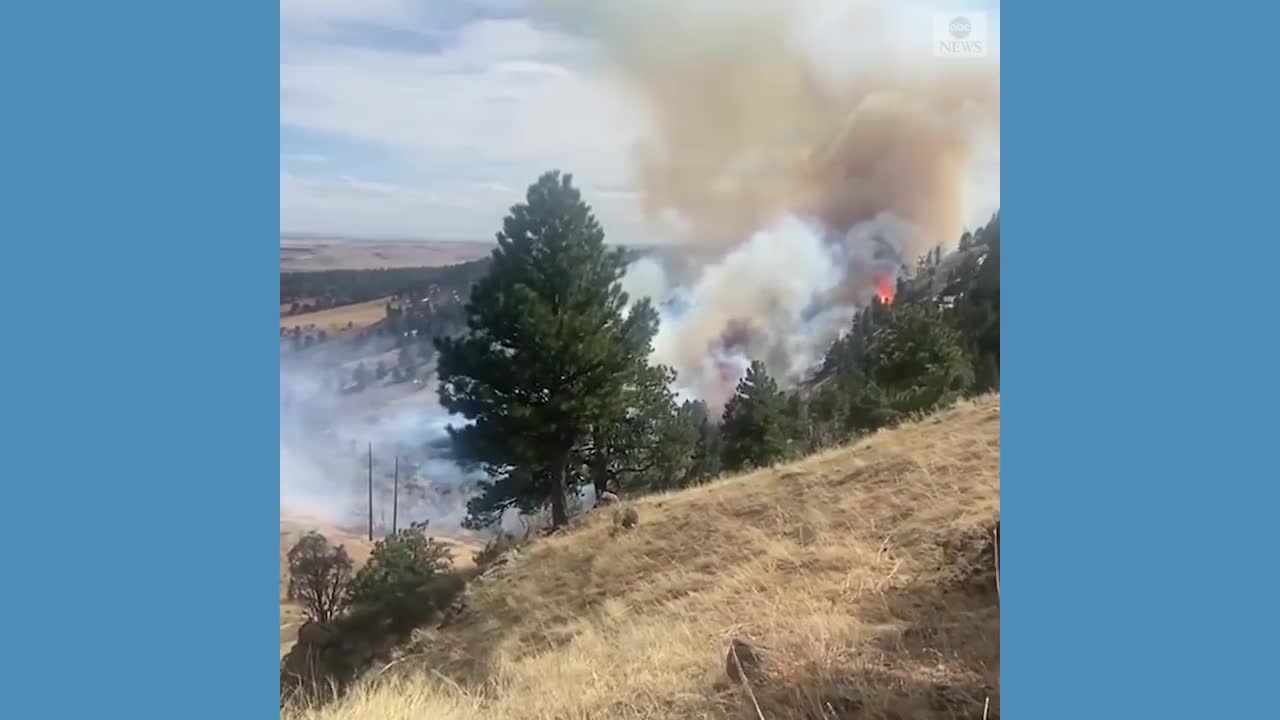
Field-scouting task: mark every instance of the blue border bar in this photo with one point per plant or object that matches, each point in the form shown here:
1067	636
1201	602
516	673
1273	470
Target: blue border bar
140	245
1139	482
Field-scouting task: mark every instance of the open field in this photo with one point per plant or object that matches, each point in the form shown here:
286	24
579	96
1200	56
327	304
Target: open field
315	253
336	318
293	527
865	577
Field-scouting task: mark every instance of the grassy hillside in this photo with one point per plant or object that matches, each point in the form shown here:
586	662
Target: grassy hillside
360	315
865	577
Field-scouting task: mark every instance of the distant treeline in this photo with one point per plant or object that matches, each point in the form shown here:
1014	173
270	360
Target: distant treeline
331	288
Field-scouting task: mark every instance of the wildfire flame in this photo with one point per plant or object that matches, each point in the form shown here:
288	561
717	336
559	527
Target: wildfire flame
884	290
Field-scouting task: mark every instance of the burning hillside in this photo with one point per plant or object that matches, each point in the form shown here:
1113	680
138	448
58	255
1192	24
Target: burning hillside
804	172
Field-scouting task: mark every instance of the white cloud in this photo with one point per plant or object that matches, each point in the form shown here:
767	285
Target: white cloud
307	158
471	108
502	100
354	205
321	15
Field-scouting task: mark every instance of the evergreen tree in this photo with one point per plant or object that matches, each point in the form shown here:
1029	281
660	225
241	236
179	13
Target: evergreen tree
676	450
360	376
754	428
988	374
799	429
546	354
705	462
916	362
977	311
642	442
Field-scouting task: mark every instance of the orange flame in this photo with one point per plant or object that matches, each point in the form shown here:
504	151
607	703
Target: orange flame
884	290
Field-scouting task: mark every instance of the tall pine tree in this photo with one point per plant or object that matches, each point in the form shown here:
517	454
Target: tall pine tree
755	428
546	354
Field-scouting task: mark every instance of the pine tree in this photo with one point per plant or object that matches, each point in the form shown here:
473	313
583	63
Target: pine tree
705	462
546	354
977	312
754	426
988	374
916	362
642	441
360	376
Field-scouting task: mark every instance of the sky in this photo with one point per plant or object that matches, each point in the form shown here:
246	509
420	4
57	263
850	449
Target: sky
427	119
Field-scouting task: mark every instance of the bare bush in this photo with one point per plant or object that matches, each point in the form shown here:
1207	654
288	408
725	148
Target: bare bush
319	577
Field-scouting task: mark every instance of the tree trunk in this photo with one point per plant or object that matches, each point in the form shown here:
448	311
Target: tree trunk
559	516
600	472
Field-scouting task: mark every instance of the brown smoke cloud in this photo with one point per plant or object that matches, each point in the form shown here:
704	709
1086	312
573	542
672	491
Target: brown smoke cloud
798	150
750	120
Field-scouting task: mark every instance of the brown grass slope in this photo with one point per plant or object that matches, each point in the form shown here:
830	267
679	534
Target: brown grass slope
866	574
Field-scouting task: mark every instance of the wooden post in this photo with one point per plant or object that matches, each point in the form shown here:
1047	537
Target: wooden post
370	492
395	496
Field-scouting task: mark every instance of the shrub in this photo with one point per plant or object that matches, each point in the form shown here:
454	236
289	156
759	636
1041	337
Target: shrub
319	577
406	577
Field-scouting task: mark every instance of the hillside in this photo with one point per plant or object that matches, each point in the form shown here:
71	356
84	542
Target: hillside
865	577
357	315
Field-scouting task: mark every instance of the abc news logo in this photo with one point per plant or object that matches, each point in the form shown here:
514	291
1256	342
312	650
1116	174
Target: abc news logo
960	36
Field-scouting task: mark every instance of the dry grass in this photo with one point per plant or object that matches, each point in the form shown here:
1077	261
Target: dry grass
864	572
336	318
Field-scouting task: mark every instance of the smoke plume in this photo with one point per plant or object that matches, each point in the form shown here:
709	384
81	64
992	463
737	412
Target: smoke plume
325	436
798	151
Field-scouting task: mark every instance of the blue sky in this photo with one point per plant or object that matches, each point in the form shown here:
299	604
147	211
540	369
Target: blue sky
428	118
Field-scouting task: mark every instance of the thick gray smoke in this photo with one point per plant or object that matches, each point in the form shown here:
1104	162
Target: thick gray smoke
781	296
325	436
800	152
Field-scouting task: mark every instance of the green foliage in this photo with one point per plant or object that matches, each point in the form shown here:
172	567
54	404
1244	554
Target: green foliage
319	577
755	428
977	311
405	577
919	360
644	442
547	353
705	461
939	340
